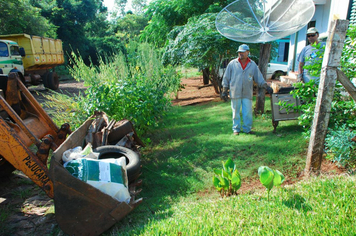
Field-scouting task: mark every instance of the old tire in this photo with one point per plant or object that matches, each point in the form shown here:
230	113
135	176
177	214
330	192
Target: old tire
51	81
133	165
5	168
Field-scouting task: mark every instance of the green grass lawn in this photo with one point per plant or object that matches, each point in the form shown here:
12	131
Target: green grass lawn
179	197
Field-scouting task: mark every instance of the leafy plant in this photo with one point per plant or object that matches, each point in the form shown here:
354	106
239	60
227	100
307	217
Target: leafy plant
340	147
228	179
317	60
270	177
131	85
342	107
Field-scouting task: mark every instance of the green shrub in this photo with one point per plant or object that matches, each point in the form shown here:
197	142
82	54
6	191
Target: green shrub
340	148
342	107
133	85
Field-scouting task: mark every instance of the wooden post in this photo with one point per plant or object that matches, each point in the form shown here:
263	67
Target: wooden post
333	50
265	52
349	87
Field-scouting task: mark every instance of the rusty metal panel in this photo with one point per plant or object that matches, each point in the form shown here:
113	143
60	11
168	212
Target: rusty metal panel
279	113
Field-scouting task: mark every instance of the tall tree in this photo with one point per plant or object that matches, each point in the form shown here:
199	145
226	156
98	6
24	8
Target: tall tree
129	27
164	15
138	6
76	21
19	16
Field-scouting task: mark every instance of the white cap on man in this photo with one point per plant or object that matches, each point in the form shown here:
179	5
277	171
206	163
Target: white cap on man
312	30
243	48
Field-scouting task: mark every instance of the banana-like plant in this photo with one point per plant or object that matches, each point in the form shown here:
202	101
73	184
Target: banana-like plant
227	180
270	178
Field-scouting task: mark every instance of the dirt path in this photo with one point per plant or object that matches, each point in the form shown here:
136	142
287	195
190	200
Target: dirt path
193	93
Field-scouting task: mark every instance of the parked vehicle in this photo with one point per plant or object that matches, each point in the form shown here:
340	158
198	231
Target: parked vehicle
34	58
275	70
80	208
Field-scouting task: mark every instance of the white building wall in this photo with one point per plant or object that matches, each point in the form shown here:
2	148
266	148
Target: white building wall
325	12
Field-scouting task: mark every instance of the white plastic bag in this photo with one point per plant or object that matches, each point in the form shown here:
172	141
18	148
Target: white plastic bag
78	152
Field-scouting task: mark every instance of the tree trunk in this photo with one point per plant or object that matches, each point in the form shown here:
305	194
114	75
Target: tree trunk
265	52
216	83
331	62
206	74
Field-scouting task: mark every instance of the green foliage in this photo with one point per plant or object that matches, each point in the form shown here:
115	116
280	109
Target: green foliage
228	179
80	24
266	176
270	178
129	27
64	108
156	31
315	67
132	86
164	15
340	147
20	16
342	107
348	61
306	92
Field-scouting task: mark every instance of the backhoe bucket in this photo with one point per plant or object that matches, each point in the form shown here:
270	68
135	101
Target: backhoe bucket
81	209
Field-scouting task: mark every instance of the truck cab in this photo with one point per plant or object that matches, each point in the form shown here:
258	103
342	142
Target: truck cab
38	65
11	57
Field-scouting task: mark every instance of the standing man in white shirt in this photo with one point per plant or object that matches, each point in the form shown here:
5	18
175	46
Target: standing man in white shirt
309	51
239	77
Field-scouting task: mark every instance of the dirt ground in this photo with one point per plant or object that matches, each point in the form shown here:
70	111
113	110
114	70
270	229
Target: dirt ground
195	93
28	211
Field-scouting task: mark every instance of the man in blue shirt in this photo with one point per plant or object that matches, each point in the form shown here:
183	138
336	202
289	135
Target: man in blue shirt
239	77
309	51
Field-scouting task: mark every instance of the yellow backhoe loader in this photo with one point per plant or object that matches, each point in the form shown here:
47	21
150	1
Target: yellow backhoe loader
80	209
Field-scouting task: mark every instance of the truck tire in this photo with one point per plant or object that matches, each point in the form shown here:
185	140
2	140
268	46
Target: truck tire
44	79
133	165
51	81
5	168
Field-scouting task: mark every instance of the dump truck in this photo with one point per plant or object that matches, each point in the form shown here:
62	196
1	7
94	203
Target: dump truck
29	135
34	58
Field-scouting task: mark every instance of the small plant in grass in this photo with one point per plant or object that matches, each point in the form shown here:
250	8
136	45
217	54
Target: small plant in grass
270	178
228	179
